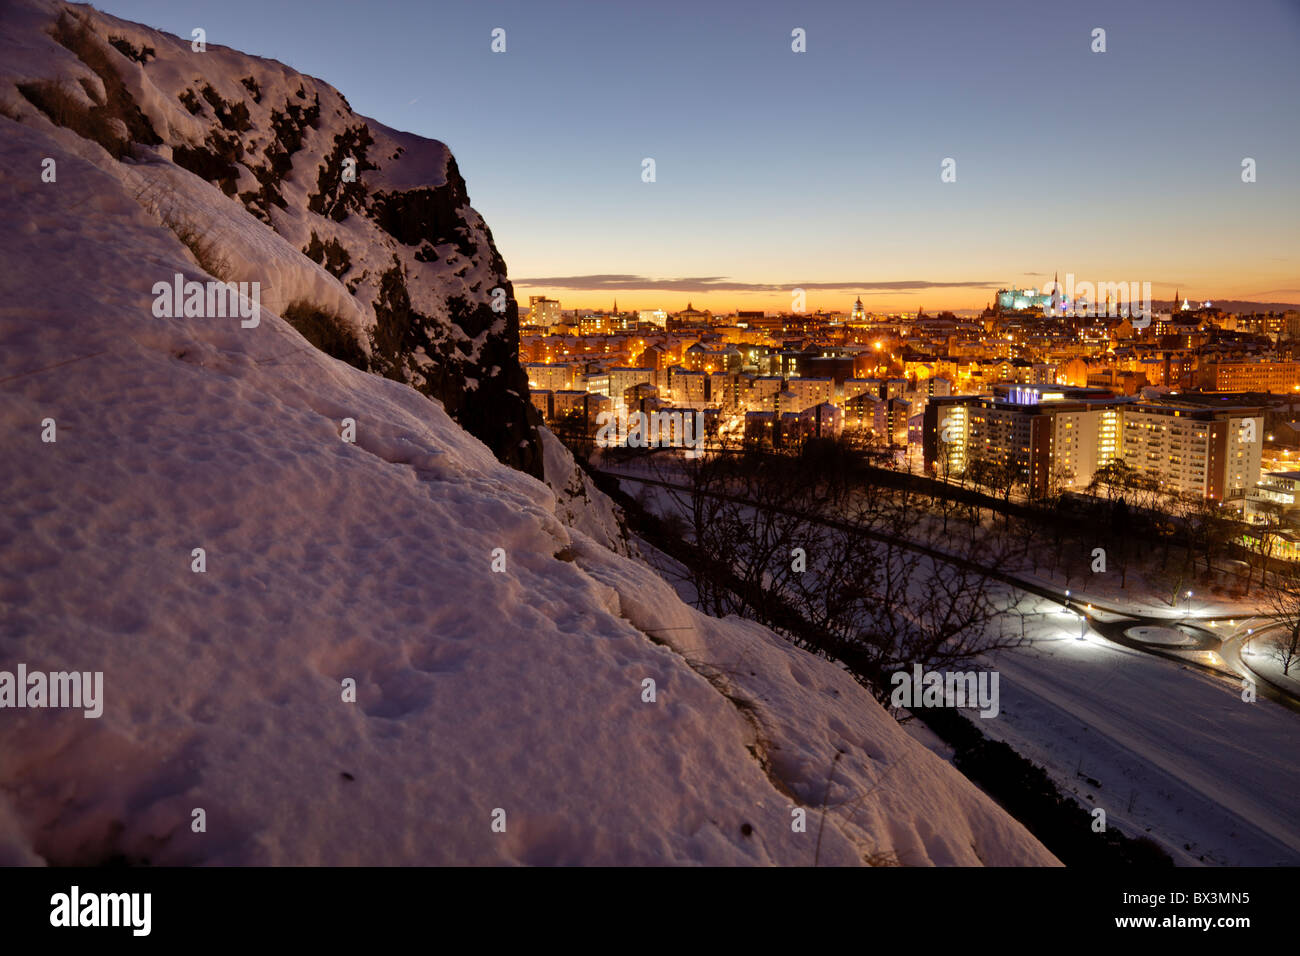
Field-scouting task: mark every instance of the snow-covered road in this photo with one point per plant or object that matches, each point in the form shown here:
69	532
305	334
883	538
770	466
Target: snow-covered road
1215	779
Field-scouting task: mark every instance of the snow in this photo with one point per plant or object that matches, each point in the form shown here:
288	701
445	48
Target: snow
253	252
326	560
1165	636
579	503
1260	659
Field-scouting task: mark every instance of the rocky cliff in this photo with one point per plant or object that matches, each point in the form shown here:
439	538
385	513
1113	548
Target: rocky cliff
368	243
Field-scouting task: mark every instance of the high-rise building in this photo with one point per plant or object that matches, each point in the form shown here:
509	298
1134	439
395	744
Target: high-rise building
1210	452
1056	438
543	311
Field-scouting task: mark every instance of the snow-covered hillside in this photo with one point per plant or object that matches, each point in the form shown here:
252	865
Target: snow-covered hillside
366	229
578	502
519	690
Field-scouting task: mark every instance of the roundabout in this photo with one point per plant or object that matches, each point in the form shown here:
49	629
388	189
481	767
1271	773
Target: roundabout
1178	637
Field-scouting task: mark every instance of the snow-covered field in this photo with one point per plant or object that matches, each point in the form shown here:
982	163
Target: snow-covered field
500	716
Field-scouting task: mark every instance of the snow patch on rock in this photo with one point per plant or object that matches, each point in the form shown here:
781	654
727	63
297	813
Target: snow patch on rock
578	502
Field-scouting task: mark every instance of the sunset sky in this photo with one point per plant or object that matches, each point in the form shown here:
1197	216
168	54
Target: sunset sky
822	169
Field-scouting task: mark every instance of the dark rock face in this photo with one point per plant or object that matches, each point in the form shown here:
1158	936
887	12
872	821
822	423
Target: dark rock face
332	255
488	395
427	215
334	197
214	161
497	411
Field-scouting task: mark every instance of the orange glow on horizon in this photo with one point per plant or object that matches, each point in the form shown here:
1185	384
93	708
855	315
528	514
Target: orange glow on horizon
933	301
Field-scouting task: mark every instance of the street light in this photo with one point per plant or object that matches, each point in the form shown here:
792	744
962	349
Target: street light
1188	595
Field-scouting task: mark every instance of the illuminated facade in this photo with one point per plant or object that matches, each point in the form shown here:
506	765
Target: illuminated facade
1057	438
622	378
1210	452
551	377
1250	376
543	311
1014	300
859	315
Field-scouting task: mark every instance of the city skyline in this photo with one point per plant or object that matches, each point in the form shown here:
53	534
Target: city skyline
656	301
821	169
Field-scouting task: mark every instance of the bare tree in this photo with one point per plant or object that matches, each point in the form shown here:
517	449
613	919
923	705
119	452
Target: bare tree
1283	593
1283	647
847	570
1210	527
1260	539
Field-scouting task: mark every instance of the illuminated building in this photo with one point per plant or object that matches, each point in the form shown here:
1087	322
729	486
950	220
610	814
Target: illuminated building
1058	437
543	311
1211	452
690	316
1250	376
621	379
859	315
550	377
1016	300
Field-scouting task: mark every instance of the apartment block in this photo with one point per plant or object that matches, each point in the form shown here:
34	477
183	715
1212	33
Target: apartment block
1059	437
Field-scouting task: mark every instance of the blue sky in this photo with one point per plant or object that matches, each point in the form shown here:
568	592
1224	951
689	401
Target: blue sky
776	169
